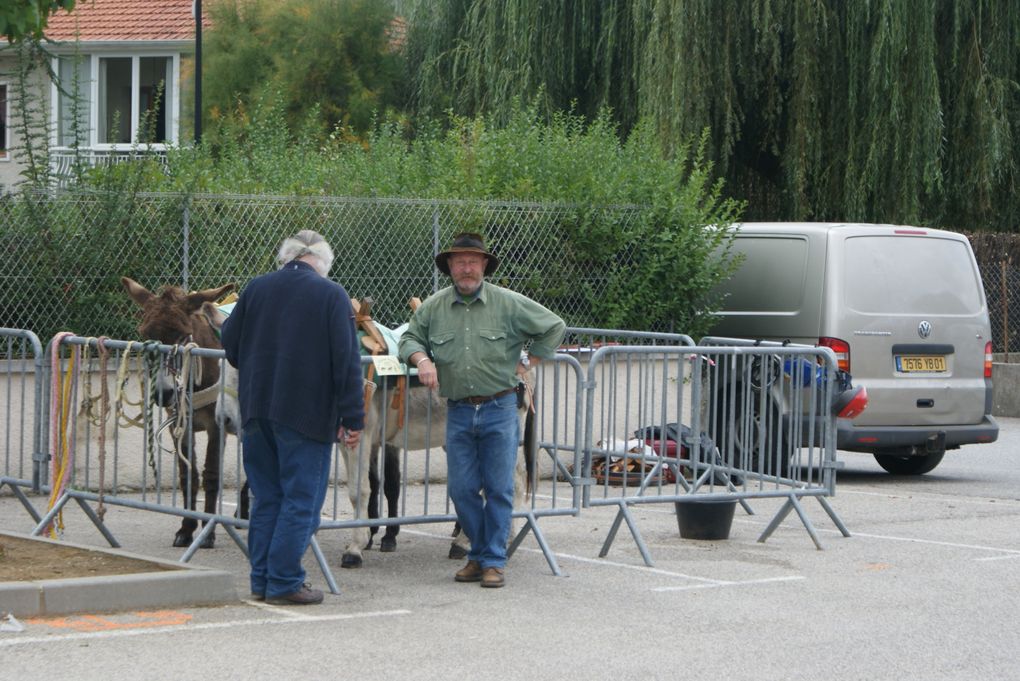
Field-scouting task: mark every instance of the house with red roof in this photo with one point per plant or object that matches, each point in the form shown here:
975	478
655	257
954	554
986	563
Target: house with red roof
119	64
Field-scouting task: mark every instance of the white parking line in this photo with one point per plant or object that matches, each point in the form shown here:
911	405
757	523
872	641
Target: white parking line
747	582
1013	556
292	618
705	582
933	496
932	542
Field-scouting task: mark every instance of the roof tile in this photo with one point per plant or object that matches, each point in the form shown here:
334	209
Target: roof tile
102	20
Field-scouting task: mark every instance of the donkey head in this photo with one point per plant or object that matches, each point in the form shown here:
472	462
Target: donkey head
172	317
169	315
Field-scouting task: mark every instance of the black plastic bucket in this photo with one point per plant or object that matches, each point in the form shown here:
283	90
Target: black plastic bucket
705	519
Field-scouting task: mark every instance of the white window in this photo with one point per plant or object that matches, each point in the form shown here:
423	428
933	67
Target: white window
121	99
75	75
5	117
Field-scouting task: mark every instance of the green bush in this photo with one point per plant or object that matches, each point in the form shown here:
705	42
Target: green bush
632	241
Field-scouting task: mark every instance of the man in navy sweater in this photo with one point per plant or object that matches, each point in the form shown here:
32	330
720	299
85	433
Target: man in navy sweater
291	336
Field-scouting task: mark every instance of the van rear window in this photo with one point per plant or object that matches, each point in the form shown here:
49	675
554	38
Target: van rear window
770	280
910	274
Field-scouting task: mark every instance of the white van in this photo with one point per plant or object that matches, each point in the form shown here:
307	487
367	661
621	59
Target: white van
904	311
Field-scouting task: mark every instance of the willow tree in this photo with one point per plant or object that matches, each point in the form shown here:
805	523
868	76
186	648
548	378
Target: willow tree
888	110
477	56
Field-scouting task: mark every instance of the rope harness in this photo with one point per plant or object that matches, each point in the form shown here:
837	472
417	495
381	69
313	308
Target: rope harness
104	398
62	393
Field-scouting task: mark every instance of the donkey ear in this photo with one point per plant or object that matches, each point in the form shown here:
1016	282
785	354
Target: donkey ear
136	291
209	295
213	314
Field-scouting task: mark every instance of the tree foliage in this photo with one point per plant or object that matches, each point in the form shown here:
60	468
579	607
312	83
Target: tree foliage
331	61
475	56
621	208
887	110
21	19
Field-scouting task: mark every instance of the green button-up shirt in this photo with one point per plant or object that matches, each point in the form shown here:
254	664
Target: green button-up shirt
476	343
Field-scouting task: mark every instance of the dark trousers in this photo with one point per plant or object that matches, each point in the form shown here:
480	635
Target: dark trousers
288	475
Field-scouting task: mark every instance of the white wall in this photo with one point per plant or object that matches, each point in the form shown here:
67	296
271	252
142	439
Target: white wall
11	167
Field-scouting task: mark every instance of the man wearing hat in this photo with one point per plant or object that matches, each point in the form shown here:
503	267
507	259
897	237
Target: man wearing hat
466	341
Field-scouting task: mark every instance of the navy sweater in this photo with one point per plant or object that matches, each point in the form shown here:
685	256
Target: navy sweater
291	336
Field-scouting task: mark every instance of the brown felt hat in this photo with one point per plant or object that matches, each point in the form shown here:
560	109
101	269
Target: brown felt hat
466	242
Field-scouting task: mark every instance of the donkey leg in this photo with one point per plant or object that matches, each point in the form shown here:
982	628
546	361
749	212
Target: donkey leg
244	503
460	545
374	493
211	482
189	481
391	487
357	488
520	487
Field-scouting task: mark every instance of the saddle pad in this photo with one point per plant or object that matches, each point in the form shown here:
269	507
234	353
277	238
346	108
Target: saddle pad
392	338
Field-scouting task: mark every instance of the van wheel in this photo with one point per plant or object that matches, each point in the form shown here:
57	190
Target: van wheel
902	461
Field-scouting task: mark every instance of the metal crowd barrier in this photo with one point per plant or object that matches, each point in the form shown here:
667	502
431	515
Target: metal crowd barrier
113	443
621	418
421	460
24	435
713	422
557	487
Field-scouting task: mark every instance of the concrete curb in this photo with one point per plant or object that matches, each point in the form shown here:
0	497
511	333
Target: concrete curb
182	585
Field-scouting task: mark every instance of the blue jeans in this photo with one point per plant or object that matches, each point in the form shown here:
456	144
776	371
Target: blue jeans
288	475
481	451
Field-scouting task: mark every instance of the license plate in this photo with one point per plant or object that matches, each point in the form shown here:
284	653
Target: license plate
920	363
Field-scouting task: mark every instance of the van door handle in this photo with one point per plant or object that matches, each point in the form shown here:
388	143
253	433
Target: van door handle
925	404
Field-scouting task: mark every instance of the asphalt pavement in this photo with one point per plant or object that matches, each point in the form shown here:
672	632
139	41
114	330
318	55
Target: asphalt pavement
925	588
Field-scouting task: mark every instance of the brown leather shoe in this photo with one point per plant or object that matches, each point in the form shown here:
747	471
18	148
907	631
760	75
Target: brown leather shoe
305	596
492	578
472	572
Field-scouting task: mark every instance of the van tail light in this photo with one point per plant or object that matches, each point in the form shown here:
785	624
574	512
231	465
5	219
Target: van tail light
842	350
988	359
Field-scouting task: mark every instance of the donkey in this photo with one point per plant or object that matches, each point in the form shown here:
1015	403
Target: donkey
172	317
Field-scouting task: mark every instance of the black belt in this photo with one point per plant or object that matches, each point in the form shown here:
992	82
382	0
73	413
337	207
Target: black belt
482	399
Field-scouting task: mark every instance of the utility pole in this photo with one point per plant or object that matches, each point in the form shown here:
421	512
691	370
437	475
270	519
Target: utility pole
197	10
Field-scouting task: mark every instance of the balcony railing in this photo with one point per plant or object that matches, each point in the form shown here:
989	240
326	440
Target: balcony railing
62	159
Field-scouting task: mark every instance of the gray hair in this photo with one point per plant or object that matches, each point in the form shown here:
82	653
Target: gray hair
307	242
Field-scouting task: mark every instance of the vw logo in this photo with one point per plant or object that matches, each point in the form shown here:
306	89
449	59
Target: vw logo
924	329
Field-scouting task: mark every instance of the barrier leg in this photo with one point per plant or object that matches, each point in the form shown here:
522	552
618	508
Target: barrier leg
50	515
100	525
836	520
13	484
207	529
241	543
532	525
625	514
324	566
776	521
792	504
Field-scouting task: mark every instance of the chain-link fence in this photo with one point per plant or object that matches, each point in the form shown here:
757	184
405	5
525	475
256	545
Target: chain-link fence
63	255
1002	281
